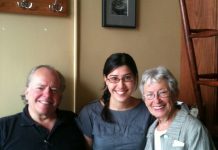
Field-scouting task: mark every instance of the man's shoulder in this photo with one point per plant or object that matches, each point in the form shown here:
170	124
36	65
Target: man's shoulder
66	114
95	104
10	117
9	120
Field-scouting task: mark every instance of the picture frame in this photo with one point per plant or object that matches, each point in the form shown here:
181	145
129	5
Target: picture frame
119	13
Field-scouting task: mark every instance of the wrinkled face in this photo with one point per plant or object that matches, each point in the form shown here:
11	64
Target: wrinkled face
121	84
43	93
158	99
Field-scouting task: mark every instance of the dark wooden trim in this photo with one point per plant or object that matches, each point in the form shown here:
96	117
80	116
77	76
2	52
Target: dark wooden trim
39	7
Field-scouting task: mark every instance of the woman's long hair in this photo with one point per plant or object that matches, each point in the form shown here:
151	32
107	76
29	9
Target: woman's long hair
114	61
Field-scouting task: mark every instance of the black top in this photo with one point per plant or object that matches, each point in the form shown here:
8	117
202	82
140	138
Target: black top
20	132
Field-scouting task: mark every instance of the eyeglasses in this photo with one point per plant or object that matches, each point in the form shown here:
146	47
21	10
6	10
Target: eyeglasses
115	79
160	94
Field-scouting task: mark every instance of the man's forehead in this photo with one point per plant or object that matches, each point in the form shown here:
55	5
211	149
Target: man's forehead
45	76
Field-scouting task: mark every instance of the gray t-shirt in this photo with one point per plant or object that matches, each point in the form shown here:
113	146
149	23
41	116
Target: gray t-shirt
127	132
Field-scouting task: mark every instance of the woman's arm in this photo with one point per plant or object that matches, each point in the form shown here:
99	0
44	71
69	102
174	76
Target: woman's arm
88	142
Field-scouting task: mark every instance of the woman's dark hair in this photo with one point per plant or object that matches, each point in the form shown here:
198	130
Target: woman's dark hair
114	61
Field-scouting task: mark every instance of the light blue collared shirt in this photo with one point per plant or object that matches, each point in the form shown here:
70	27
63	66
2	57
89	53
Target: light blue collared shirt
185	133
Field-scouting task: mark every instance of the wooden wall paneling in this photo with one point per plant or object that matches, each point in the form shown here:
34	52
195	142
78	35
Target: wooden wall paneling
39	7
202	14
216	67
186	86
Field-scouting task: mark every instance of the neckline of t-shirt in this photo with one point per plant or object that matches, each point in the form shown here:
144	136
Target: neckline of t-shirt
128	110
159	133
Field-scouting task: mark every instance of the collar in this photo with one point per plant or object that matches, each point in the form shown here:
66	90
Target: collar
26	119
175	128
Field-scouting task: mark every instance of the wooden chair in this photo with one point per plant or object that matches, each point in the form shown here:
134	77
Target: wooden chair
209	79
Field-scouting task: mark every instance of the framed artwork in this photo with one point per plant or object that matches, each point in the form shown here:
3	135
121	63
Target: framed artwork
119	13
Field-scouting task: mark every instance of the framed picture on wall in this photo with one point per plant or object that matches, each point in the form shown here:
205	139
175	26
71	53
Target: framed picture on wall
119	13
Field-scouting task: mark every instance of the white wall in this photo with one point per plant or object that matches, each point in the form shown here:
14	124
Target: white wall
27	41
155	41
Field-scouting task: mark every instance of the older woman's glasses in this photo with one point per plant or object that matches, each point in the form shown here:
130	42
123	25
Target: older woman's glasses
115	79
160	94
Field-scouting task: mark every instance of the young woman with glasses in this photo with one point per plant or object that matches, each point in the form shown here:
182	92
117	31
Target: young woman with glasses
117	121
175	127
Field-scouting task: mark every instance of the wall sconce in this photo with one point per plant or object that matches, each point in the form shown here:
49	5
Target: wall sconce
56	6
25	4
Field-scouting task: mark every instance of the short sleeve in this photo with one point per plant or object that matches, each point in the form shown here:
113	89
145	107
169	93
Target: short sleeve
84	121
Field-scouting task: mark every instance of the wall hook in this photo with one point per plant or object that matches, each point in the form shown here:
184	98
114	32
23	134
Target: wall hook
55	6
25	4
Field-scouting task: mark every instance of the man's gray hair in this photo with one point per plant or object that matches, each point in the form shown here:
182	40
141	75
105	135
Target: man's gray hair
33	70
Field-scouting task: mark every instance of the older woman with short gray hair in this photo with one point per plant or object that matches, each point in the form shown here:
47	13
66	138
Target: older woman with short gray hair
175	127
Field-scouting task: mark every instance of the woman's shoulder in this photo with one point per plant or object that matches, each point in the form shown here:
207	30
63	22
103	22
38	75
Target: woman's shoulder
190	122
94	105
194	130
